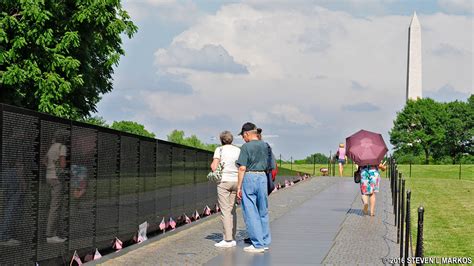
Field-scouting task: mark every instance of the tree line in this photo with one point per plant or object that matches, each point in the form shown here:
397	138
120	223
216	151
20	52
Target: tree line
426	131
175	136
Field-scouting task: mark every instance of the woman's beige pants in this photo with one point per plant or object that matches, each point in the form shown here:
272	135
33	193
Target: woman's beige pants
226	194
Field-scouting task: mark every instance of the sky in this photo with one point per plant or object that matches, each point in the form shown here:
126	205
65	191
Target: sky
309	73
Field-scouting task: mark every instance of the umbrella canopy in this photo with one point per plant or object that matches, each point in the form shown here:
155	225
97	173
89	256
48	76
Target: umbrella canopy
366	148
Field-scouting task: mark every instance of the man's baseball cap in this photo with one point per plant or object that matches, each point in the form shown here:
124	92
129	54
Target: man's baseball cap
248	127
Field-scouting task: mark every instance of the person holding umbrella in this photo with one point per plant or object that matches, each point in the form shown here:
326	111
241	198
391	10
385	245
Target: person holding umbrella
367	150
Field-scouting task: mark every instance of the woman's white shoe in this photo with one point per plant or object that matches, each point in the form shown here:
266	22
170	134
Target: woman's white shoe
225	244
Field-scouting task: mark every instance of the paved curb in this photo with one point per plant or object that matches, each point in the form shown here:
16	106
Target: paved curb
151	240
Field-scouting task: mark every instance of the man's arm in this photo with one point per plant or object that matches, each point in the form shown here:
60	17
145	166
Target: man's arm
240	176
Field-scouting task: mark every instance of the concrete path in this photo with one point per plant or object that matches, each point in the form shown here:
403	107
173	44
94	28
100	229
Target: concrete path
316	221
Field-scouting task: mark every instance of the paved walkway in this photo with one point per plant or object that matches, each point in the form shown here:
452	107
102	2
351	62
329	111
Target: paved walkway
317	221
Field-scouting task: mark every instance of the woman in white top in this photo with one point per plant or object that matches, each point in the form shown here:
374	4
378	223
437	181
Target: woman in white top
227	154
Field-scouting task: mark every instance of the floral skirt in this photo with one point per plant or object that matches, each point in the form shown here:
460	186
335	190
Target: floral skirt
370	181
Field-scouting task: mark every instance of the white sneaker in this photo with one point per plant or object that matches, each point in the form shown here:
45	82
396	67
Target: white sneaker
252	249
55	239
266	248
10	242
225	244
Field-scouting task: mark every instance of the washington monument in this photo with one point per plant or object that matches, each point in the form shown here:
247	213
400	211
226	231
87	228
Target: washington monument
414	85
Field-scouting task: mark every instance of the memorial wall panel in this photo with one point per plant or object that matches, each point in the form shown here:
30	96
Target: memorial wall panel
147	182
108	188
164	160
202	169
18	188
53	205
128	201
189	196
83	176
178	182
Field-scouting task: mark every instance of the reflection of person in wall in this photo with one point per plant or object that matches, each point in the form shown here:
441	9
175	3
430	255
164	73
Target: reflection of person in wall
84	150
55	168
12	184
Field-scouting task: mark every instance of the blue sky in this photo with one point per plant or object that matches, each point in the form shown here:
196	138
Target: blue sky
309	73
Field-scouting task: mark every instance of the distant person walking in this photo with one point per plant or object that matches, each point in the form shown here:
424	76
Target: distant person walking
252	187
227	155
341	158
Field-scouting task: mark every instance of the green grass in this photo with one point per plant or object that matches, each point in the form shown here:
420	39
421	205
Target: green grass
308	168
449	215
438	171
283	171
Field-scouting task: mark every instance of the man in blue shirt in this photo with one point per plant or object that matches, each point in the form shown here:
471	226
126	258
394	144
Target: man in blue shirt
252	187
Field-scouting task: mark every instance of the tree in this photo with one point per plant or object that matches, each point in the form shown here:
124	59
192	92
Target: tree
95	120
132	127
318	157
459	129
177	136
58	56
420	126
193	141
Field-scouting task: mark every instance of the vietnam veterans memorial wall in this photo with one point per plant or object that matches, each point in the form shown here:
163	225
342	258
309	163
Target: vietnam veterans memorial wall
111	182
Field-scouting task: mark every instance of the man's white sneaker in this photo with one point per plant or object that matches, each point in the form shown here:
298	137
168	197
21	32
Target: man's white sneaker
225	244
266	248
55	239
10	242
252	249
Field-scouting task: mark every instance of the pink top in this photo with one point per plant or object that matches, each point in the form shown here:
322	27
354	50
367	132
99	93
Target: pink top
342	153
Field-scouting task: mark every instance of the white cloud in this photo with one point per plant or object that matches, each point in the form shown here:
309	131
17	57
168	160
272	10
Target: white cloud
212	58
446	94
457	6
361	107
284	114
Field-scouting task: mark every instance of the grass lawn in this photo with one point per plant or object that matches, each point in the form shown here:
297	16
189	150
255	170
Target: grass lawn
448	202
438	171
449	207
308	168
449	215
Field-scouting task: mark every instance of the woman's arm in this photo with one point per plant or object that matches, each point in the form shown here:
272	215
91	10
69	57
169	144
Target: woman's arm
214	164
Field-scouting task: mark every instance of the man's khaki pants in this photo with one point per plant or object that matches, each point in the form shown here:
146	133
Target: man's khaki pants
226	195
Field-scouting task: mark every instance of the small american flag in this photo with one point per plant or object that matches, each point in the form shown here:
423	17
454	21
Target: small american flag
97	255
207	211
172	223
187	219
117	244
163	224
216	208
196	215
75	258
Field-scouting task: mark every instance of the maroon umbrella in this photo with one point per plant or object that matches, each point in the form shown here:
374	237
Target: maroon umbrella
366	148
